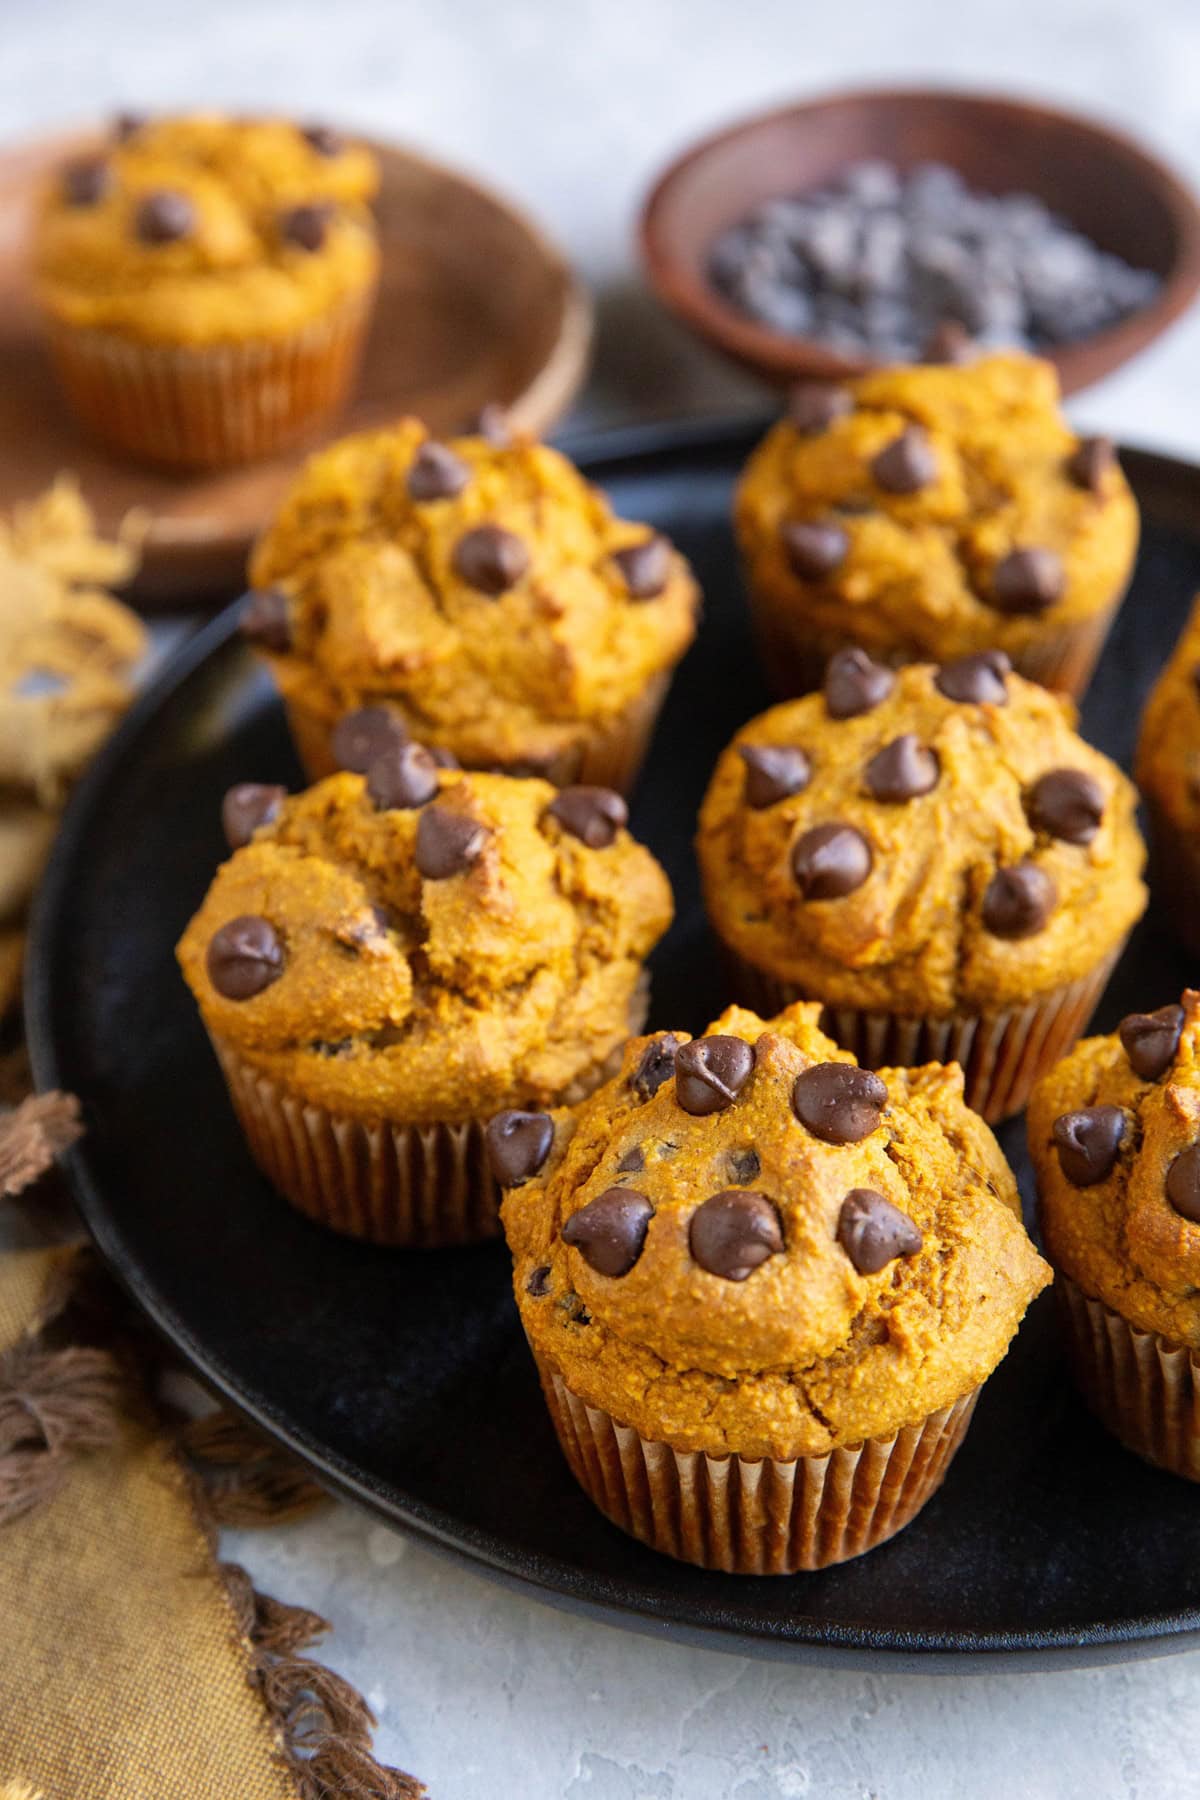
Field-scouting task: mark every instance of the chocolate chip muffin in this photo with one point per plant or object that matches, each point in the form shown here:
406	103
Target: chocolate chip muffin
932	512
934	854
206	283
386	960
1168	772
477	594
1114	1133
762	1287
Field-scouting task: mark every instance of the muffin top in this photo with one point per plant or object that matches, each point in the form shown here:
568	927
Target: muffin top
424	944
1168	754
1114	1133
948	507
745	1243
201	229
925	841
484	588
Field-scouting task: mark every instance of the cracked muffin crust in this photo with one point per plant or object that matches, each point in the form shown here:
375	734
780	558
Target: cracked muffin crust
1167	770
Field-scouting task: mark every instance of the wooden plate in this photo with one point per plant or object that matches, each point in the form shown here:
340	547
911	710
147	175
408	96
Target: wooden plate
475	306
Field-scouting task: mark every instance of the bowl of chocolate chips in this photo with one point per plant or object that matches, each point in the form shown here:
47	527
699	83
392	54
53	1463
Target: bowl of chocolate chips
888	226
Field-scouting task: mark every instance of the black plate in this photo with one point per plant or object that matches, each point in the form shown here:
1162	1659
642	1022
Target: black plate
403	1378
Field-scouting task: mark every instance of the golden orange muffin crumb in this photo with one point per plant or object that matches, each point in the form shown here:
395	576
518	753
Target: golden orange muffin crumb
1167	770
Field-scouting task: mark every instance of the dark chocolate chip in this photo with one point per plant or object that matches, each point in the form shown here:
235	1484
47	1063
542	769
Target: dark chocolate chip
950	342
363	736
978	680
854	684
323	139
127	125
86	182
592	814
1027	581
518	1144
744	1166
812	549
610	1231
830	861
839	1103
1066	803
907	464
1183	1184
633	1161
656	1065
246	807
1150	1040
537	1282
711	1072
734	1233
244	957
1088	466
490	559
435	473
447	843
306	226
774	772
164	217
902	770
645	567
873	1232
403	777
266	620
1087	1143
1018	902
813	406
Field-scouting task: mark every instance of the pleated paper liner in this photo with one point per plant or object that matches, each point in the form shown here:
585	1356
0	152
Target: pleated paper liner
754	1517
1001	1053
213	406
1145	1389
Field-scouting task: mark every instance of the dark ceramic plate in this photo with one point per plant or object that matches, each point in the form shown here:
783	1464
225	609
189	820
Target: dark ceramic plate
403	1378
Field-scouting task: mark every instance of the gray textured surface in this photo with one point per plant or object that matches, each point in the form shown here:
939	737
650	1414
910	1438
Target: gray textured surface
488	1693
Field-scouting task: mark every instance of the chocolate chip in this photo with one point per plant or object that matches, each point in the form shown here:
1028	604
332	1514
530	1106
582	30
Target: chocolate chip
744	1166
361	737
1183	1184
978	680
164	217
813	550
127	125
86	182
907	464
323	139
490	559
773	772
1087	1143
266	620
902	770
537	1282
592	814
734	1233
656	1065
610	1231
1018	902
518	1144
830	861
1066	803
645	567
633	1161
447	843
306	226
1088	466
435	473
839	1103
244	957
854	684
873	1232
813	406
1027	581
403	777
1150	1040
246	807
711	1072
950	342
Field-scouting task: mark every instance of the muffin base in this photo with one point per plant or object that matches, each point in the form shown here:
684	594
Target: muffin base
1142	1387
747	1516
1175	875
1000	1053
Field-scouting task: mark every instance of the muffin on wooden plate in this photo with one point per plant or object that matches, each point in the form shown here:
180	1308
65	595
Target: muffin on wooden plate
926	513
934	854
763	1287
206	283
385	961
1167	770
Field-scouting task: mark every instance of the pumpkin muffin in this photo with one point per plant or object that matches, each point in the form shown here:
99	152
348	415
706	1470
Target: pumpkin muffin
931	512
1114	1133
477	594
1167	770
385	960
762	1287
206	283
934	854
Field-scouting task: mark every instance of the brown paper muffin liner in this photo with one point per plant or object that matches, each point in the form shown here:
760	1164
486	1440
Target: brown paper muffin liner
209	407
754	1517
1175	874
1001	1053
608	755
1145	1389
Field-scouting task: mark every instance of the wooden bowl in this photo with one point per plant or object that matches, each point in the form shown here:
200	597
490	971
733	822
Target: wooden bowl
475	307
1122	197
